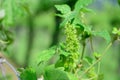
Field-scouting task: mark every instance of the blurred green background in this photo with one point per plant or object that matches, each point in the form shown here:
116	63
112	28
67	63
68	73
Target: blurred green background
40	31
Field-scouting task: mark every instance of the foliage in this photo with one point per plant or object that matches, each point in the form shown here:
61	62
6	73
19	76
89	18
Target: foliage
71	62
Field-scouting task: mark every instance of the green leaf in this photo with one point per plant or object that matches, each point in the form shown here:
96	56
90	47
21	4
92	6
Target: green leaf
68	18
79	28
62	50
28	74
52	73
116	31
88	29
66	13
81	3
46	55
88	59
105	34
64	9
64	53
60	62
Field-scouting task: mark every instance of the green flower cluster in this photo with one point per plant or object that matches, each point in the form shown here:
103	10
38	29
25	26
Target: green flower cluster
72	46
72	42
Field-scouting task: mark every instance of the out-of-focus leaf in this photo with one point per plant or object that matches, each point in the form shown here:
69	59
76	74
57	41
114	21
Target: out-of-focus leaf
100	77
105	34
116	31
119	2
13	11
72	76
2	14
8	5
88	59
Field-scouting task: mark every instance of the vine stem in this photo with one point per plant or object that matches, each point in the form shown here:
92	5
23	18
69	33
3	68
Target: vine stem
104	52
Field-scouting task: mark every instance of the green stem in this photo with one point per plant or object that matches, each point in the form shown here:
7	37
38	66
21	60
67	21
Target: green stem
91	44
98	68
83	51
104	52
